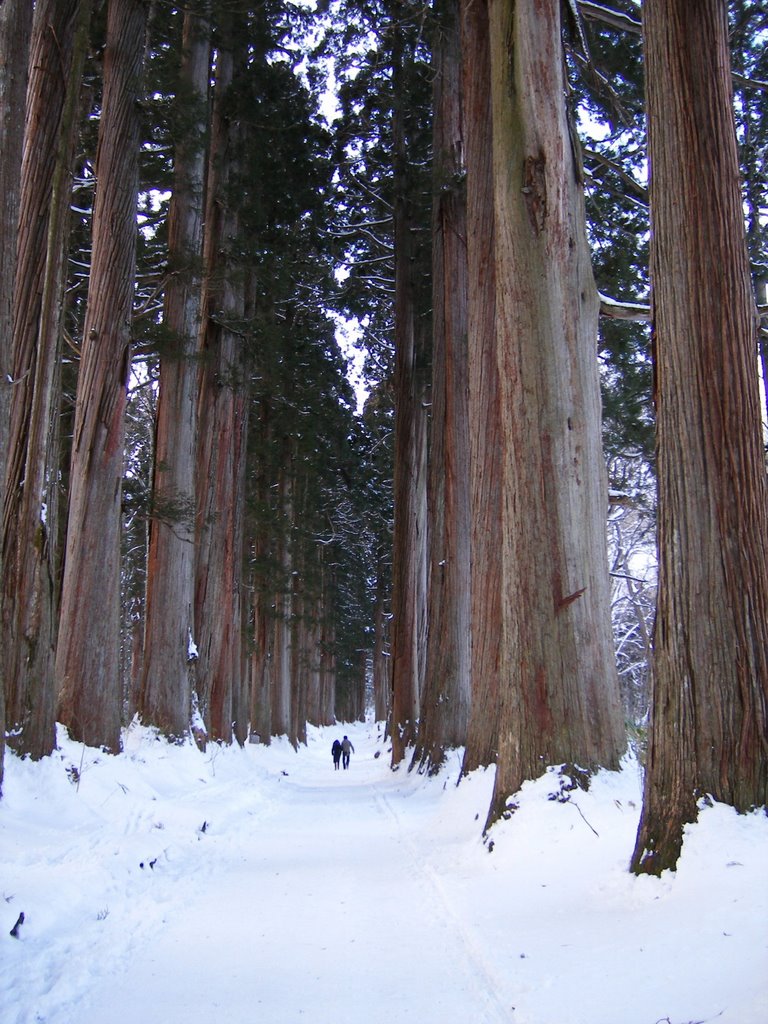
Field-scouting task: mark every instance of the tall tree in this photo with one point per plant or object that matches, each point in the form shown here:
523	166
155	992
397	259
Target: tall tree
483	384
87	655
709	725
166	690
29	535
15	31
411	337
446	691
558	689
223	407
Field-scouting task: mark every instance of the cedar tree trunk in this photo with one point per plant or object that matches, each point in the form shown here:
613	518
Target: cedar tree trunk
222	426
558	687
88	651
58	45
409	544
166	691
446	691
484	403
710	675
15	31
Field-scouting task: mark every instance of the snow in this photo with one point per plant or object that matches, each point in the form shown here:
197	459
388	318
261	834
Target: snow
165	885
192	651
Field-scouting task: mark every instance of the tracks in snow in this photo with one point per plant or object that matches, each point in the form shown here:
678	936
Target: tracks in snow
489	983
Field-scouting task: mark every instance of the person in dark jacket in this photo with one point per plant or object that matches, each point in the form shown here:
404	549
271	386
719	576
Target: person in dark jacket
336	751
346	748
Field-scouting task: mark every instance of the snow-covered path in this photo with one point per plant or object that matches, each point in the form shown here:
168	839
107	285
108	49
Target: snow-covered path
244	886
305	914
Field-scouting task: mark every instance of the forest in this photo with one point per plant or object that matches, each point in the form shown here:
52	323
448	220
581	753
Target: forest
534	528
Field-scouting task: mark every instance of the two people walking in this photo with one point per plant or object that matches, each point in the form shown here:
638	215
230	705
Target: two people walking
341	752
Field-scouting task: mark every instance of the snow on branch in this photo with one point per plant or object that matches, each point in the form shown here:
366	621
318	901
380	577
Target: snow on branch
615	310
640	312
616	19
749	83
633	186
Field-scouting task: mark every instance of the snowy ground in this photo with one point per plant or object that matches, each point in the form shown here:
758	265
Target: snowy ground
258	885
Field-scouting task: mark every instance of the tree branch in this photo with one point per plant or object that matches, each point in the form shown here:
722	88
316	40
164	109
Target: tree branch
606	15
638	312
626	23
749	83
629	181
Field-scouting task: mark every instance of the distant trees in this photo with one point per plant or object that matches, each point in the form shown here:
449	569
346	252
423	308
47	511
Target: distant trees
230	302
383	224
632	561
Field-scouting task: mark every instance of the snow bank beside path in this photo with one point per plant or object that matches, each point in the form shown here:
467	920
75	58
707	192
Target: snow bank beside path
165	885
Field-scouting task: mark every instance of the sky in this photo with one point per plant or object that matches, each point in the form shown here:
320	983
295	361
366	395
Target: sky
164	885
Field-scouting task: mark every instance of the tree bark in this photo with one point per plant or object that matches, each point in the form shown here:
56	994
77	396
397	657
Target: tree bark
320	695
299	651
409	552
166	690
558	687
329	668
223	410
709	718
280	681
262	637
58	45
87	655
446	690
382	679
483	393
259	663
15	32
218	621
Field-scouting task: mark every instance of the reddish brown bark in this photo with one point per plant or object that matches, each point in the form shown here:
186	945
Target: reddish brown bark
221	461
558	690
87	655
223	419
166	690
709	721
561	703
382	679
280	613
15	30
262	636
484	406
409	552
59	39
446	689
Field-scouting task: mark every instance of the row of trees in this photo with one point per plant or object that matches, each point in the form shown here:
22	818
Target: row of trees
508	491
179	387
231	556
